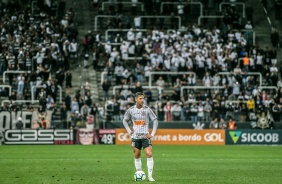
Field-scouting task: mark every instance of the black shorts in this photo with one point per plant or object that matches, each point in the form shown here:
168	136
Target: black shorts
141	143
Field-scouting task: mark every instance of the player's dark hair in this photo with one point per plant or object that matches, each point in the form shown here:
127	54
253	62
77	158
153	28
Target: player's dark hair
139	94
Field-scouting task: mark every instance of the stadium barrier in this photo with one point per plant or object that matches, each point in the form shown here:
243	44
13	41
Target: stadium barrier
55	136
42	136
208	137
119	136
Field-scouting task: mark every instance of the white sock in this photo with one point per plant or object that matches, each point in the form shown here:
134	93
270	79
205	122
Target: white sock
150	165
138	164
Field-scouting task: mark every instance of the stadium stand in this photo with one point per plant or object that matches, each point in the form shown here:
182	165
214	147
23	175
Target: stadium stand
235	42
36	40
213	57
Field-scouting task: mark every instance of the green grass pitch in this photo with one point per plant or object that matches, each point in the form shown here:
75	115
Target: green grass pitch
114	164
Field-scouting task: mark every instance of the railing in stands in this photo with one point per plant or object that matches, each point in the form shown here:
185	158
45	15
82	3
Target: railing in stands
101	16
267	17
19	101
170	73
235	101
144	87
33	6
13	72
60	89
195	101
245	73
177	3
198	87
130	3
208	17
233	3
32	92
268	87
103	76
234	30
7	86
142	16
244	31
121	30
104	73
19	72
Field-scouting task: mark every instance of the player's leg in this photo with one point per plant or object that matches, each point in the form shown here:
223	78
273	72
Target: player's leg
136	147
147	145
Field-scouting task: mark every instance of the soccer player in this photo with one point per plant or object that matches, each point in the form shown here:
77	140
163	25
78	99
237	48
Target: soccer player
140	115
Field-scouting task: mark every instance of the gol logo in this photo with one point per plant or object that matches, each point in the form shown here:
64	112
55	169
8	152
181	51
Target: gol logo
213	137
124	137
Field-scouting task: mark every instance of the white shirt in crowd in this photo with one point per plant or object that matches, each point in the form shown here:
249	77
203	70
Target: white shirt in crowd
137	21
148	70
108	48
119	70
252	61
40	56
249	26
130	35
73	47
259	59
216	80
20	79
207	81
167	63
180	9
273	70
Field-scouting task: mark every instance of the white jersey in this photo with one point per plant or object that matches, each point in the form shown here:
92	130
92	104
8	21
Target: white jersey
140	119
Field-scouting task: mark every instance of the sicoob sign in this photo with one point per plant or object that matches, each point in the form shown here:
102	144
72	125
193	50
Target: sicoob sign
179	136
254	137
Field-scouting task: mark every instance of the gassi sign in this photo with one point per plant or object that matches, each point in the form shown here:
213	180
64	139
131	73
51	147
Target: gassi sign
29	136
179	136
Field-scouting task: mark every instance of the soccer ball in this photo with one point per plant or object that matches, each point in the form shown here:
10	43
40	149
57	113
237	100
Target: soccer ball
139	176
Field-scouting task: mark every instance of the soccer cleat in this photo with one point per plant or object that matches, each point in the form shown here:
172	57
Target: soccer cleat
151	179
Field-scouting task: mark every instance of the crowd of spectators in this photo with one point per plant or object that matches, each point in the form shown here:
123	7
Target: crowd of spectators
83	110
205	50
45	45
38	41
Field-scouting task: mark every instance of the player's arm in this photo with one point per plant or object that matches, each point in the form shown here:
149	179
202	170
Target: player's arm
153	117
125	120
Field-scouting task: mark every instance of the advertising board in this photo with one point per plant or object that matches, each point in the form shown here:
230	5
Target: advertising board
107	136
253	137
8	119
179	137
30	136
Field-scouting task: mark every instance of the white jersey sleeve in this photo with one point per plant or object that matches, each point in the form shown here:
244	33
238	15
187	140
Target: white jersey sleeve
126	118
